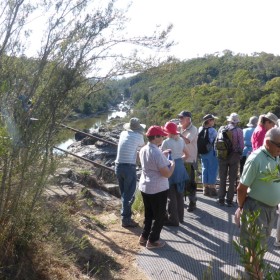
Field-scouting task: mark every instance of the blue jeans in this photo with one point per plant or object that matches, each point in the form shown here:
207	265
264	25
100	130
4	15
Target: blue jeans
126	174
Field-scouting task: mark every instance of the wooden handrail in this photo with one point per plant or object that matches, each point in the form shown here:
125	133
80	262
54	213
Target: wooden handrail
89	135
85	159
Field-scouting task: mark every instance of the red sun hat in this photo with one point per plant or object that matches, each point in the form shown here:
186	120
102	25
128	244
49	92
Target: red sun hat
171	128
155	130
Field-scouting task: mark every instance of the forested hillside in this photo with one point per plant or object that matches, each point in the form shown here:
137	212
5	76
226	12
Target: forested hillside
217	84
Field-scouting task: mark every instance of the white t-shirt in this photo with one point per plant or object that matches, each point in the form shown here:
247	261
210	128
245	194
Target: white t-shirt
129	143
177	147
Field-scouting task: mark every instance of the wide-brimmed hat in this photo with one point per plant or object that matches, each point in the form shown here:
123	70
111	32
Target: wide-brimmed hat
271	117
253	121
209	117
156	130
134	125
171	128
233	118
185	114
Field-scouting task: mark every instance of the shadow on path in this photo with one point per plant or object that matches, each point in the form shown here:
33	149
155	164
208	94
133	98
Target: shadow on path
201	247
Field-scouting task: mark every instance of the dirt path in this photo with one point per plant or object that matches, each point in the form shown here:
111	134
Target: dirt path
121	244
112	249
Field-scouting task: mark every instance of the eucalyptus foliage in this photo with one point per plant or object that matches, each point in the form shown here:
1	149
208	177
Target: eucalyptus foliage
219	84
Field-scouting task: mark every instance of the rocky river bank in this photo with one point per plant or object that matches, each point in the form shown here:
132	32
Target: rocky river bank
98	145
101	150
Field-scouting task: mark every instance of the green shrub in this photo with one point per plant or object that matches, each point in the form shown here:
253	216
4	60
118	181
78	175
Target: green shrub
138	204
253	249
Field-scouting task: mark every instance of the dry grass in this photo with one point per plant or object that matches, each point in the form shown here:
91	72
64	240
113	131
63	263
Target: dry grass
79	240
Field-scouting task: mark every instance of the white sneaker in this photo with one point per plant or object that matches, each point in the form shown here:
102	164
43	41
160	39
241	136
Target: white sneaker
276	243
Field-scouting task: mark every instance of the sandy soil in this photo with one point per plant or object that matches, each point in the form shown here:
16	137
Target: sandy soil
120	243
102	226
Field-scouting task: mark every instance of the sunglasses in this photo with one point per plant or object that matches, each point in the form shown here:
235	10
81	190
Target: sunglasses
276	144
158	136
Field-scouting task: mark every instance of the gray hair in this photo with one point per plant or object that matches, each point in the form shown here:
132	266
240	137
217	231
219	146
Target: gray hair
273	133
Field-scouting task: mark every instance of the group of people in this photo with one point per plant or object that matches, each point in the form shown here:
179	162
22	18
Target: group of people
168	169
163	180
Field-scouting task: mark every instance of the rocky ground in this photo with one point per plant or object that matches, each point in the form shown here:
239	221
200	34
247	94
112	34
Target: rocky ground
98	214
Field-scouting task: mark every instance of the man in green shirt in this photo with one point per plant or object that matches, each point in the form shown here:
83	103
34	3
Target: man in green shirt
259	188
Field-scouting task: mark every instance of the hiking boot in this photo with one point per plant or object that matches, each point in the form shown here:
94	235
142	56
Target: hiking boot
142	240
192	206
213	192
153	245
220	201
206	191
229	203
130	224
170	224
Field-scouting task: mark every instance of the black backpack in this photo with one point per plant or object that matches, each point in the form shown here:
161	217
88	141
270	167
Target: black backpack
203	143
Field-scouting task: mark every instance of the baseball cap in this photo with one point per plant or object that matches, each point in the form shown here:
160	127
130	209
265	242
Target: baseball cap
185	114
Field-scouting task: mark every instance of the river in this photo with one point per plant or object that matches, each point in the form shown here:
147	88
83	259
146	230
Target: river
67	136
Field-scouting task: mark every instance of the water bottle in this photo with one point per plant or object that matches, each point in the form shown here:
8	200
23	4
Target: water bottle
169	155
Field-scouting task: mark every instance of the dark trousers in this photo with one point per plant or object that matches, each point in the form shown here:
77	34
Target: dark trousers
228	167
175	205
242	163
155	209
191	185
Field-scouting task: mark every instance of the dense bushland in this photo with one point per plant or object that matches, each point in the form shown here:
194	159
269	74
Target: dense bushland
217	83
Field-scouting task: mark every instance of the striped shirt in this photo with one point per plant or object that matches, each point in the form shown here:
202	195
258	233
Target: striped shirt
129	143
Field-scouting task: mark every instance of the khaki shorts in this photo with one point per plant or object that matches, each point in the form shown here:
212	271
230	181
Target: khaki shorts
265	220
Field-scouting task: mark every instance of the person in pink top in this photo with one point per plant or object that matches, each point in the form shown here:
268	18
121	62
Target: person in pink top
266	122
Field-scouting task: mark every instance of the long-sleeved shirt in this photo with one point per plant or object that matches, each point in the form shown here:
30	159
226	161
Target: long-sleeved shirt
237	138
247	134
